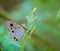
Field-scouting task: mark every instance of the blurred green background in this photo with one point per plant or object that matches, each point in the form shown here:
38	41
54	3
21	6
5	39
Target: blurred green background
45	37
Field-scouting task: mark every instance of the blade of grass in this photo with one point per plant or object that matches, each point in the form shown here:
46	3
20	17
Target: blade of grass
26	38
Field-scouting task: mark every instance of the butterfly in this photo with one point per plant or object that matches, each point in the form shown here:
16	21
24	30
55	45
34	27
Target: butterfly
16	31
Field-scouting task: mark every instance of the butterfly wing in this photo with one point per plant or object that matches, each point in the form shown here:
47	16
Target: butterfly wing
16	31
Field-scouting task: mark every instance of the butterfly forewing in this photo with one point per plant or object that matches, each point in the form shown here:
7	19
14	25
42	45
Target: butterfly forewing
16	31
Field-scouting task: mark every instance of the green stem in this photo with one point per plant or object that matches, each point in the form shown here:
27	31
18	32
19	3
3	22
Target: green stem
26	38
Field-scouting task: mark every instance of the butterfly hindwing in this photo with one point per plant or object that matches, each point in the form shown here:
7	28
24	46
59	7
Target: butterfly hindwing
16	31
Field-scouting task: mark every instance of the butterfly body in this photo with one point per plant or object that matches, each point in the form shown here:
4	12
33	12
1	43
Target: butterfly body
16	31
